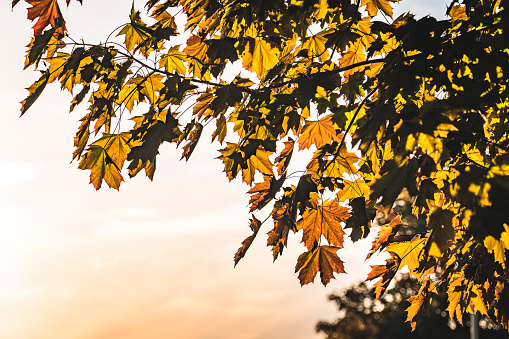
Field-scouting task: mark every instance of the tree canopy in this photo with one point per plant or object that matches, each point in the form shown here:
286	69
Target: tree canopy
382	105
361	316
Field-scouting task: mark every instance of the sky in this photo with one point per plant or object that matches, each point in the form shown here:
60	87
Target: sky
151	261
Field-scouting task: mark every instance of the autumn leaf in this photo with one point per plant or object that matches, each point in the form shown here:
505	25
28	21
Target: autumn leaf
324	219
151	85
264	192
129	95
35	91
317	133
440	222
359	221
105	159
135	32
385	235
409	252
260	57
322	259
373	6
419	304
498	246
173	60
193	137
385	273
283	159
241	252
316	47
195	47
47	13
353	190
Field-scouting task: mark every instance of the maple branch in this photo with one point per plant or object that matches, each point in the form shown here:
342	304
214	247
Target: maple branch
157	70
335	71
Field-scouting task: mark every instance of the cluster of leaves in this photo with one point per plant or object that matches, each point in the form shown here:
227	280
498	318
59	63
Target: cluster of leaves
361	316
424	102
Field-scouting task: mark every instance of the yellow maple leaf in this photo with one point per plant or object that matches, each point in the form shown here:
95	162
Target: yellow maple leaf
152	85
135	32
498	246
385	273
129	95
353	189
173	60
408	251
262	58
385	235
316	47
373	6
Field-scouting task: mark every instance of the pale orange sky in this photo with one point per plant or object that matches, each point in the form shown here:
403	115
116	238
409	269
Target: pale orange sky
152	261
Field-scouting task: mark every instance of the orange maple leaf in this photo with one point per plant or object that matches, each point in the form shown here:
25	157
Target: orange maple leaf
48	13
324	219
322	259
318	132
385	272
255	227
385	235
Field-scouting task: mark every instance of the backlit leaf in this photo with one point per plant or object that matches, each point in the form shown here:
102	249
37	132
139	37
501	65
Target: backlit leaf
323	219
322	259
241	252
317	133
47	13
262	58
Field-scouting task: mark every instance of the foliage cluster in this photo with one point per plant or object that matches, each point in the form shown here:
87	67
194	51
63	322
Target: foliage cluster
423	101
361	316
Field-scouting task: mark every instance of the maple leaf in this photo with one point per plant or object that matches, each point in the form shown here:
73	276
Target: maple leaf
173	60
502	310
254	224
385	273
202	106
385	235
359	222
47	13
145	143
235	160
105	159
35	91
194	137
324	219
322	259
195	47
264	192
419	304
259	57
318	133
440	222
136	32
129	95
316	47
353	189
151	85
498	246
372	6
283	159
408	251
37	47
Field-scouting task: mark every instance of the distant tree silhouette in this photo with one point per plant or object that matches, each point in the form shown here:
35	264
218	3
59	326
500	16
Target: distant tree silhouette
361	316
